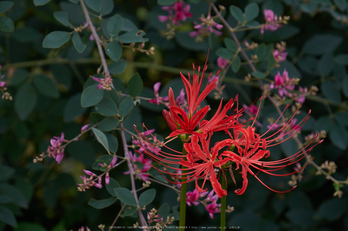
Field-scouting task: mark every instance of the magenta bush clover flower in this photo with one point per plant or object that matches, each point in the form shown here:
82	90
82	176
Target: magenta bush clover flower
271	19
181	13
207	27
55	149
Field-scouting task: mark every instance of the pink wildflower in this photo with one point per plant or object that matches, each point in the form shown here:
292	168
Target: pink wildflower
192	197
213	208
56	150
221	62
207	27
271	19
181	13
105	84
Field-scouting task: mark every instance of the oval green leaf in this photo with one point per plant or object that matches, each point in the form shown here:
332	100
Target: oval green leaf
79	46
125	196
91	96
135	85
5	6
106	107
117	67
114	50
339	136
224	53
133	36
94	4
6	24
56	39
100	204
111	186
101	138
46	86
147	197
125	106
73	108
237	13
25	100
251	11
114	25
108	124
62	17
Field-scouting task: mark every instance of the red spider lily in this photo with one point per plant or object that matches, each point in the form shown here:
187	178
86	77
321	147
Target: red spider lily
200	162
252	147
191	121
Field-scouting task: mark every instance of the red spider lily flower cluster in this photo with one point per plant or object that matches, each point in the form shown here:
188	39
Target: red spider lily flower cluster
203	160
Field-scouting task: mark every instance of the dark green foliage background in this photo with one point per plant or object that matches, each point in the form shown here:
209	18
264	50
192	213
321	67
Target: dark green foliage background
46	85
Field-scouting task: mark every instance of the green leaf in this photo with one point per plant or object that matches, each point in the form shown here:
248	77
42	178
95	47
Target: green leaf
62	17
91	96
125	106
331	91
56	39
331	209
237	13
125	196
14	194
342	4
128	211
321	44
261	51
7	216
133	36
46	86
106	107
339	136
73	108
341	118
236	64
107	7
165	2
41	2
101	138
112	141
26	226
323	123
224	53
231	45
258	74
114	25
114	50
251	11
163	211
5	172
325	64
5	6
147	197
18	77
342	59
101	204
79	46
111	186
25	100
6	24
94	4
117	67
135	85
108	124
345	86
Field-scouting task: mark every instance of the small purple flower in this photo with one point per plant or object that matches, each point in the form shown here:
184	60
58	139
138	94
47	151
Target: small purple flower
158	99
181	13
283	83
213	208
192	197
55	149
221	62
207	27
279	56
84	128
271	19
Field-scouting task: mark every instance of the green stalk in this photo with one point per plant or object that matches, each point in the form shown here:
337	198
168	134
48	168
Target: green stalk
223	206
182	219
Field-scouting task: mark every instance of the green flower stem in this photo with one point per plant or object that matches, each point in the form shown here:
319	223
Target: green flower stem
223	206
182	218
